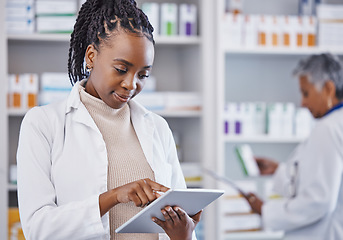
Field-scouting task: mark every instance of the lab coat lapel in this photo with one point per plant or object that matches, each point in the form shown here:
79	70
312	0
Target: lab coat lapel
82	116
78	110
143	126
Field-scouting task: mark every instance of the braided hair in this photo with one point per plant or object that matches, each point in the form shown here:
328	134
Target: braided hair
96	21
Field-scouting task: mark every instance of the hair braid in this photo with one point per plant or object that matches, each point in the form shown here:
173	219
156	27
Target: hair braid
96	20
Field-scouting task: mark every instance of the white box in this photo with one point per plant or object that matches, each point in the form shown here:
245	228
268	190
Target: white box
246	222
188	20
274	119
44	7
55	81
175	101
153	101
20	12
13	174
58	24
287	121
19	26
330	11
31	90
169	19
192	172
15	91
152	10
260	118
232	30
249	34
310	30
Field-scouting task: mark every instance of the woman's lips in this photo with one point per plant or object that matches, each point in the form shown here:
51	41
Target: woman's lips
122	98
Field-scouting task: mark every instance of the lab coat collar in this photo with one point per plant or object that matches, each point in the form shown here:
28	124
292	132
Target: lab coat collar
82	115
141	120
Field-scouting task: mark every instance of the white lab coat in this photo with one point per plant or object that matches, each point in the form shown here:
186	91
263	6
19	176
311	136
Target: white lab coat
316	212
62	168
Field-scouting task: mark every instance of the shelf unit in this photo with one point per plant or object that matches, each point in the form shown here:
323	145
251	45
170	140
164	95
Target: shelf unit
3	128
255	74
164	113
262	139
172	40
281	51
179	66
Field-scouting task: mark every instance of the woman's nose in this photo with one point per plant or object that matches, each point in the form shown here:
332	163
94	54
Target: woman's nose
129	83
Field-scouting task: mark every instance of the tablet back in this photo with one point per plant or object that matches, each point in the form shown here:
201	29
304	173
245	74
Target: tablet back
191	200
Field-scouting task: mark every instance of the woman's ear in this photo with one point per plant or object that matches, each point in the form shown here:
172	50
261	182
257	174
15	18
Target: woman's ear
90	55
330	88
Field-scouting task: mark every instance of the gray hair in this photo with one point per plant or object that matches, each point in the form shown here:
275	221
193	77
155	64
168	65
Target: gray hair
321	68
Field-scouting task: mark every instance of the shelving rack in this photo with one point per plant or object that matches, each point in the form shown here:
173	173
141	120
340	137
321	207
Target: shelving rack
3	128
255	74
193	56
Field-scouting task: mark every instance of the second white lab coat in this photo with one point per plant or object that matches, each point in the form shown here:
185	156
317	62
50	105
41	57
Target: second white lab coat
316	211
62	168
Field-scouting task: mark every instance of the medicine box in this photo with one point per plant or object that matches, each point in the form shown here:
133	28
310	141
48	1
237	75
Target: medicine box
55	24
152	10
46	7
169	19
188	20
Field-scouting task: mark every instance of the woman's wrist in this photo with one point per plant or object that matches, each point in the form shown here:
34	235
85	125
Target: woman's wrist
107	200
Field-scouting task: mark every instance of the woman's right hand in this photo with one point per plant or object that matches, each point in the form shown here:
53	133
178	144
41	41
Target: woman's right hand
140	192
266	166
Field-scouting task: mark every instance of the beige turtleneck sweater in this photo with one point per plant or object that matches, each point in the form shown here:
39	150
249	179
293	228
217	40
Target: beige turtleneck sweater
126	160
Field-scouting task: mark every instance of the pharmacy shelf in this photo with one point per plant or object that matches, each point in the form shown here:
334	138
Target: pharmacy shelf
262	139
258	235
179	114
163	40
194	184
16	112
282	51
176	114
12	187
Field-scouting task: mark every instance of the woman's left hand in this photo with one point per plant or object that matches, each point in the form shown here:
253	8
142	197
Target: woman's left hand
178	225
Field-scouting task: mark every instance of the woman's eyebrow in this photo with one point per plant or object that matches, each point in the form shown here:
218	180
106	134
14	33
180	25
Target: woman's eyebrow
123	60
129	63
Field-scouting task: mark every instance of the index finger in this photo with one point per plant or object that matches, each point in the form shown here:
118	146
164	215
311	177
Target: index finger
156	186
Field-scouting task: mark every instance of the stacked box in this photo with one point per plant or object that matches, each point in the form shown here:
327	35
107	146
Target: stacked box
54	87
330	19
23	91
56	16
235	212
20	16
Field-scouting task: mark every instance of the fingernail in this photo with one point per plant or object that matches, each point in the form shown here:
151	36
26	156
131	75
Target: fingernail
153	219
176	208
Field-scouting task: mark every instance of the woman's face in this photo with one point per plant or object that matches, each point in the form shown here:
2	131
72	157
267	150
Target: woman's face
316	101
119	68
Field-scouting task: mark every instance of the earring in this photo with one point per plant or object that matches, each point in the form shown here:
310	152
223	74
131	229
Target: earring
329	103
88	69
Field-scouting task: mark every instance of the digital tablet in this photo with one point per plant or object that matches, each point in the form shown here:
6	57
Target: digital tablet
191	200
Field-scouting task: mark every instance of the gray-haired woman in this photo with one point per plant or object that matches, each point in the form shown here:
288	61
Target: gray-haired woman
310	182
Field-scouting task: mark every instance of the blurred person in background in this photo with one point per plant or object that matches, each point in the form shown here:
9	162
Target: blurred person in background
310	182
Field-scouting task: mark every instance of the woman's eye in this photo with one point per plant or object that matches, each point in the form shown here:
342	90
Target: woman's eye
122	71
